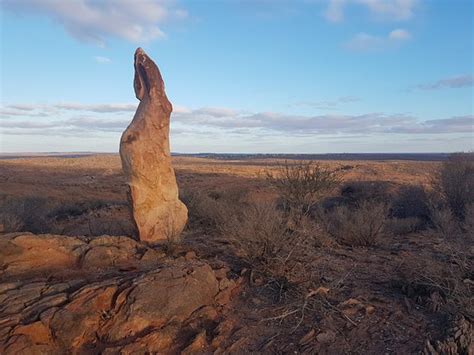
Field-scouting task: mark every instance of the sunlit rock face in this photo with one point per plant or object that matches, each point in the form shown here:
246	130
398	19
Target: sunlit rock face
146	158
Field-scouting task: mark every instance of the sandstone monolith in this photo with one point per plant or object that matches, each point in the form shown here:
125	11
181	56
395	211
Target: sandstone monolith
146	158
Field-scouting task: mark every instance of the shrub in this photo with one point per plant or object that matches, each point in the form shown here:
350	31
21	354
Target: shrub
209	209
445	283
469	220
402	226
25	214
357	226
10	223
356	192
264	239
411	202
443	221
455	180
301	184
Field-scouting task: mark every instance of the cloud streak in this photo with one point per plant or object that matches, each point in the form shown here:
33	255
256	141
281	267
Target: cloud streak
102	60
43	110
328	104
398	10
225	121
455	82
96	21
364	42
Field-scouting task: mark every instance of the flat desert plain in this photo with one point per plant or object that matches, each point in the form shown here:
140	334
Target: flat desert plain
392	295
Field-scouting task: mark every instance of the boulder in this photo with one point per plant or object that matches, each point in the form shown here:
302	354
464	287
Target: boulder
146	159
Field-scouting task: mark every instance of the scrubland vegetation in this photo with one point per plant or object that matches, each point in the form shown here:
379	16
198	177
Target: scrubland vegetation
318	248
281	241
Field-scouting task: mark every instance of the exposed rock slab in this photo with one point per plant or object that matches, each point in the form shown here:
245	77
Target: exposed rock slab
146	158
30	254
106	295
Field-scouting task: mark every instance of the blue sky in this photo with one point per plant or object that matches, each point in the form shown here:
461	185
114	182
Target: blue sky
289	76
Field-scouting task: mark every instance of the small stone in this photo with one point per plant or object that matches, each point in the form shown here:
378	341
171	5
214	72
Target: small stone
351	302
224	297
225	283
221	273
306	339
326	337
369	309
190	255
321	291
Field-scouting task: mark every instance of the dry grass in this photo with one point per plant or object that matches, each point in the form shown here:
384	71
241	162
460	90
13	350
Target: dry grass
24	214
455	181
362	225
469	220
445	284
403	226
301	185
270	246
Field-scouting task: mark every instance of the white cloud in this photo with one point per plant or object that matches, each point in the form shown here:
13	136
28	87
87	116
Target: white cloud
95	21
328	104
363	42
399	35
381	9
99	108
454	82
225	121
102	60
334	12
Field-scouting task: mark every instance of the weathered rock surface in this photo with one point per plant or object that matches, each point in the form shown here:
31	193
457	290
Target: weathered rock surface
30	254
108	295
146	158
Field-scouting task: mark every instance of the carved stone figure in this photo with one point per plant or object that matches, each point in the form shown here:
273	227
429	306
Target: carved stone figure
146	159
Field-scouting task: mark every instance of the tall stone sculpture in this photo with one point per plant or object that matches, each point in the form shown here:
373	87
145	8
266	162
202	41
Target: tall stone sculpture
146	158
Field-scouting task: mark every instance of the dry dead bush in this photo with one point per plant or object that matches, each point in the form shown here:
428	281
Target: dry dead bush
27	214
209	209
357	226
302	184
455	180
469	220
411	202
270	245
443	221
409	211
403	226
10	223
444	284
356	192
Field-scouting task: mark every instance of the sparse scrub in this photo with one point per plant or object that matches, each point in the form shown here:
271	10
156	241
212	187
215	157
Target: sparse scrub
69	210
10	222
270	247
455	180
445	284
469	220
209	209
357	226
24	214
356	192
411	202
403	226
302	184
443	220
